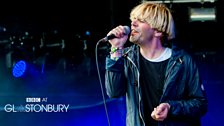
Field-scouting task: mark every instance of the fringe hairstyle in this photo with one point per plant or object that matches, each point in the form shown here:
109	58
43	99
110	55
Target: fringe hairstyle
157	15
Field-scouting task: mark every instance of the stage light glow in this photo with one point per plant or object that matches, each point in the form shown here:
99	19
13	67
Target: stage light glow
202	14
19	69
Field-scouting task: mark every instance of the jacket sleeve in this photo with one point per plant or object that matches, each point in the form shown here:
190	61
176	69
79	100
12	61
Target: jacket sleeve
194	101
114	78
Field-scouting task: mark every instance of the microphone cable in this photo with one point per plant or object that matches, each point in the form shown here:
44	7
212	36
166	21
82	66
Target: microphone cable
100	80
101	85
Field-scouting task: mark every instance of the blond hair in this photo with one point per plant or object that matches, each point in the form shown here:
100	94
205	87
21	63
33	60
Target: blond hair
157	15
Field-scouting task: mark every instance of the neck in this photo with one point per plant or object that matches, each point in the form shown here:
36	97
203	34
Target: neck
152	50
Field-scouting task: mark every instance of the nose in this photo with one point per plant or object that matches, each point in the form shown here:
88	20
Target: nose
134	22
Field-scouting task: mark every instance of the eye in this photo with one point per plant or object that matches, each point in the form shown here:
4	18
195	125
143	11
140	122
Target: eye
141	20
133	18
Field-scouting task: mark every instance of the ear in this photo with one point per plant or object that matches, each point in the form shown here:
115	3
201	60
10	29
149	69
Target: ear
158	33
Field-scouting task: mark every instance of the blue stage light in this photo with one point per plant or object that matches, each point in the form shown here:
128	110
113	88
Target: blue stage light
19	68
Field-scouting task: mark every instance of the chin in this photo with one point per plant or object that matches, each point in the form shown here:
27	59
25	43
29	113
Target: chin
134	40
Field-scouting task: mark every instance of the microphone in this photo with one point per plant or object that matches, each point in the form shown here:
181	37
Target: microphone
112	36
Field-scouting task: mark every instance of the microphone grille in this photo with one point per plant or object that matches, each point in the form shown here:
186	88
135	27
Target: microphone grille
127	30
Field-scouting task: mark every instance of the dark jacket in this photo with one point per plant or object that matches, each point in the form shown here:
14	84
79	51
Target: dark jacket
183	89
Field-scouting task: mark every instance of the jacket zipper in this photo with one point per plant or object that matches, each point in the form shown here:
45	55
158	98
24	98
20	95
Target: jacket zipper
169	71
139	96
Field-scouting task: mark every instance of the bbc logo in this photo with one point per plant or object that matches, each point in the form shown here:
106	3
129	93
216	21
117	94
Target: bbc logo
33	99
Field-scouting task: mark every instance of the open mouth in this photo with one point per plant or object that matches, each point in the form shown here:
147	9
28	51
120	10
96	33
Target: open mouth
134	32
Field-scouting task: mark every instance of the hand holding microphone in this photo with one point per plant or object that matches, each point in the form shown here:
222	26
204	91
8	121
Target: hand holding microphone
118	36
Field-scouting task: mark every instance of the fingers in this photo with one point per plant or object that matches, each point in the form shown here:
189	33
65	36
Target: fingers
160	112
156	115
120	38
118	31
153	114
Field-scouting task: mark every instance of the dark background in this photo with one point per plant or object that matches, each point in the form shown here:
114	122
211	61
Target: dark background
70	18
100	16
